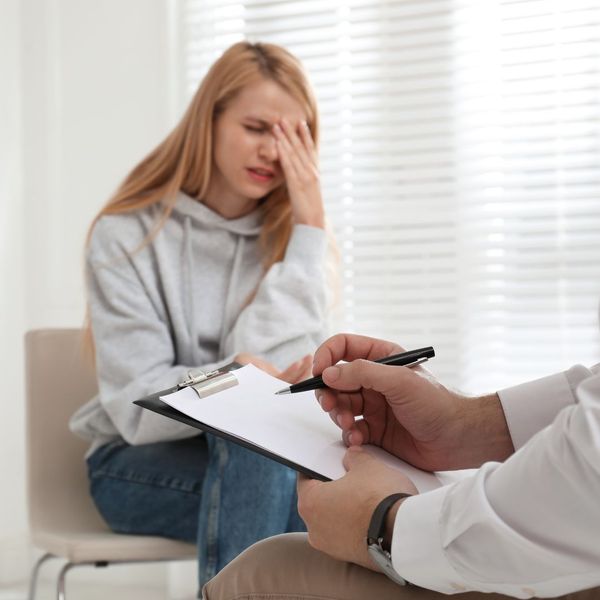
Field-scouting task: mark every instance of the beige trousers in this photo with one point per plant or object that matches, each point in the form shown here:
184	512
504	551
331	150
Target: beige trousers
285	567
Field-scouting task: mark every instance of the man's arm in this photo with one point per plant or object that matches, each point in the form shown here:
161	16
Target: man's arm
523	527
526	527
530	407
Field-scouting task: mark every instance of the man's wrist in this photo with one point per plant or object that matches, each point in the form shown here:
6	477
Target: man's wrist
494	425
486	436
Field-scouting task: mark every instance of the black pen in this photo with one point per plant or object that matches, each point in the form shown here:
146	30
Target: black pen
405	359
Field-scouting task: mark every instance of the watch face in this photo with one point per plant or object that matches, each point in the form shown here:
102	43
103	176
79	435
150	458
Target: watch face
384	561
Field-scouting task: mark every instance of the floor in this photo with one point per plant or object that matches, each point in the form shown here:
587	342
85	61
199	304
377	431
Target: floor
83	591
119	582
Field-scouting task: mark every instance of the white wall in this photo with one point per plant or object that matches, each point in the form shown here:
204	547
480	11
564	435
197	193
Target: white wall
13	550
86	91
95	101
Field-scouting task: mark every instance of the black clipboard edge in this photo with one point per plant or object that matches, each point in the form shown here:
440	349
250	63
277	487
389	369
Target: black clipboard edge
155	404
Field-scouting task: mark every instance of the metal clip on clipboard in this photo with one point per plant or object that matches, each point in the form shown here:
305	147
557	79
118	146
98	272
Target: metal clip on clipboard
206	384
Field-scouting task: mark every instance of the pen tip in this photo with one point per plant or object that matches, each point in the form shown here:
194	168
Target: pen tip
283	391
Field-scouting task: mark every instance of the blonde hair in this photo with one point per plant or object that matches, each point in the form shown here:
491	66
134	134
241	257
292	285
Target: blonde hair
183	161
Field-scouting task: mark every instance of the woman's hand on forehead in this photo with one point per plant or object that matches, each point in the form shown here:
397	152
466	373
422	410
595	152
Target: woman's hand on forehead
299	161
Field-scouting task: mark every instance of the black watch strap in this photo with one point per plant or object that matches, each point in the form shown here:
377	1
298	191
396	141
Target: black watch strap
377	525
379	555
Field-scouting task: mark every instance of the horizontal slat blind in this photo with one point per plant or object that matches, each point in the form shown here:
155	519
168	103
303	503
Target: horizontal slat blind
528	147
460	156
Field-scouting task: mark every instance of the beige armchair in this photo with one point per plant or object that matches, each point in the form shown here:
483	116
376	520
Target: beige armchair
62	517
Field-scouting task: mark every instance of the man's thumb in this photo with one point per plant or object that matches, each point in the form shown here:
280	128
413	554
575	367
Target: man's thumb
366	374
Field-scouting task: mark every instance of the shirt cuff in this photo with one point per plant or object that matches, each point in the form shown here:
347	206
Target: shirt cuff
417	552
530	407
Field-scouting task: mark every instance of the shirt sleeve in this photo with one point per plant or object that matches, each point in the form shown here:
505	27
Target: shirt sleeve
287	317
530	407
527	527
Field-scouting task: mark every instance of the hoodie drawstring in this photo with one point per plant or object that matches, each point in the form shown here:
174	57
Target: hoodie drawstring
227	312
188	268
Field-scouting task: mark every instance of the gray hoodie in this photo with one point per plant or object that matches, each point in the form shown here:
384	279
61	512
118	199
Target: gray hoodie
181	303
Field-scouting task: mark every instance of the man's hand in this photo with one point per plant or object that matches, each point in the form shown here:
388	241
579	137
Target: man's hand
406	411
337	513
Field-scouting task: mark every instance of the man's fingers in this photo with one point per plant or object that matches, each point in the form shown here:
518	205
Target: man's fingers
348	347
359	433
328	399
342	418
368	375
356	457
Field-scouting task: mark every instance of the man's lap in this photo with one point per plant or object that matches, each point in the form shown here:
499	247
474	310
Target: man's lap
286	567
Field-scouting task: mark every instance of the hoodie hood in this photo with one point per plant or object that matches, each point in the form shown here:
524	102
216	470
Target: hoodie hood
248	225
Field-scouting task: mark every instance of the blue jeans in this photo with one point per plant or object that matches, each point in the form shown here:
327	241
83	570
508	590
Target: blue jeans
203	490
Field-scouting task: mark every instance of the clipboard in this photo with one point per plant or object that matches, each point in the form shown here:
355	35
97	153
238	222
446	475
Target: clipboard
206	384
239	404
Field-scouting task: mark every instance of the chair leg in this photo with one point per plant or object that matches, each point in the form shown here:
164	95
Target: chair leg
61	592
60	584
35	572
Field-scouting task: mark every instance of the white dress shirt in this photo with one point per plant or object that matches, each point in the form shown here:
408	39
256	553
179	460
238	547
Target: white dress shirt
529	526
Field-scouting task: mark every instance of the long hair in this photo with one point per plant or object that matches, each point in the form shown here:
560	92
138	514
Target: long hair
184	160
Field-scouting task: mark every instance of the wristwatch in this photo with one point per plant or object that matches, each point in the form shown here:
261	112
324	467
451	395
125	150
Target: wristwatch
382	557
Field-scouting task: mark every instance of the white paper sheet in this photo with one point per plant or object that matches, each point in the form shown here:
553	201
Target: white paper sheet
292	426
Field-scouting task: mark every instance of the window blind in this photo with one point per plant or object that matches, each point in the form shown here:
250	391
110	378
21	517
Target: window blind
528	156
460	149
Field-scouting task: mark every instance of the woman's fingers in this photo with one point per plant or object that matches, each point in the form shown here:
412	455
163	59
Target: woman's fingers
301	174
285	154
244	358
298	370
308	141
296	141
289	373
294	154
303	368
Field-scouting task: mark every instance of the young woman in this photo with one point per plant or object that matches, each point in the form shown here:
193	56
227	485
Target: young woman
212	250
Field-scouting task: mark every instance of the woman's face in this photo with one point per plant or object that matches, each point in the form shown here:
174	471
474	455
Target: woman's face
245	161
